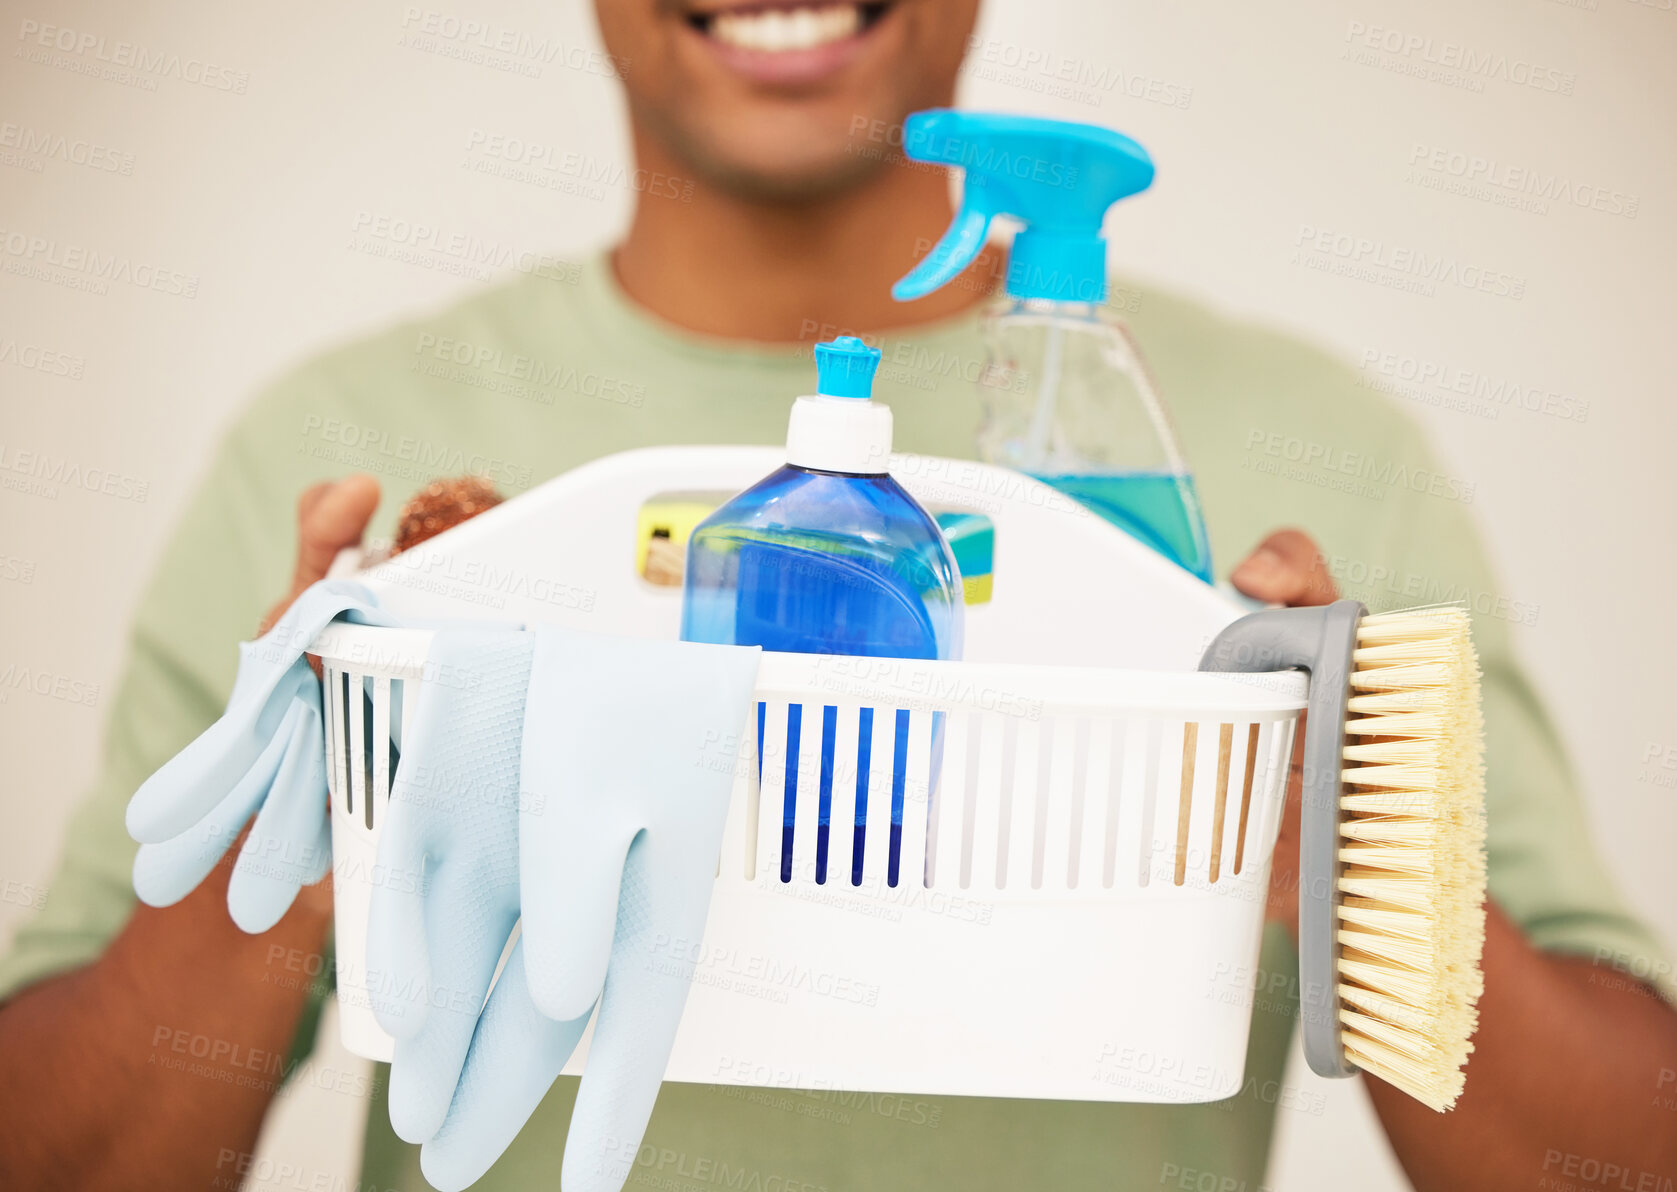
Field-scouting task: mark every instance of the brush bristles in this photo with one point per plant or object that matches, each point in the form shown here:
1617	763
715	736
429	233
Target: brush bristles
1412	846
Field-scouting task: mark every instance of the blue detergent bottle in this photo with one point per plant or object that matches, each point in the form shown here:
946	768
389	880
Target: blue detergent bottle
1067	396
829	555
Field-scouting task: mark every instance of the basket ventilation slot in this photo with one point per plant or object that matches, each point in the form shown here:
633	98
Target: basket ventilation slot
365	716
893	797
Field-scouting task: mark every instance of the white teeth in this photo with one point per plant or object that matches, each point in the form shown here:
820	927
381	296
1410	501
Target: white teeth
774	31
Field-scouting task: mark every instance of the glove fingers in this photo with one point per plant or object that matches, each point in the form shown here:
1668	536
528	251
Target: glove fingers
516	1056
289	845
398	952
645	993
447	872
427	1064
189	785
167	871
569	890
271	670
590	782
455	807
572	834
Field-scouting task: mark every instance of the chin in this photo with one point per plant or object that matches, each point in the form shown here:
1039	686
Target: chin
789	156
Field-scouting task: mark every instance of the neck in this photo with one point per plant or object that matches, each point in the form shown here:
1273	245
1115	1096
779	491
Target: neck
776	271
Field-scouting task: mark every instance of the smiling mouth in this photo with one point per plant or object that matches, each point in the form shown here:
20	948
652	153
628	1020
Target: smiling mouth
781	28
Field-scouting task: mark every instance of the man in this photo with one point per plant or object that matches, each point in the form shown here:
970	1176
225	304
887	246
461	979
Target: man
140	1048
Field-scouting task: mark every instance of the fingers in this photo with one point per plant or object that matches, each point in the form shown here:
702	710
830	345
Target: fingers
329	521
330	516
517	1054
311	497
1287	568
290	844
1282	904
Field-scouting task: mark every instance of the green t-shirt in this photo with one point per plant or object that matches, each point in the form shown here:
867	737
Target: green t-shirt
535	376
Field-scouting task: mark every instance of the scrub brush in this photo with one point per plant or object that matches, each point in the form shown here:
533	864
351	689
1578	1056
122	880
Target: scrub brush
1391	835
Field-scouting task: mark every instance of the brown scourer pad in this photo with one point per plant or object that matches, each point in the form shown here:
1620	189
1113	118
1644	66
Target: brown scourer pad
442	505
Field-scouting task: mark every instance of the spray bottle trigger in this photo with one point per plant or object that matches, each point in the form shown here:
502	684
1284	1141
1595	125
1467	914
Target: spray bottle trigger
962	241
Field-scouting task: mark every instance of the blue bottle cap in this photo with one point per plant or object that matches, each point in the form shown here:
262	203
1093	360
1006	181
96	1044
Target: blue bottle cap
1057	177
844	367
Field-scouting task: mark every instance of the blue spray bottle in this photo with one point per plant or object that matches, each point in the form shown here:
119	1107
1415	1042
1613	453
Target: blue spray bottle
828	555
1067	396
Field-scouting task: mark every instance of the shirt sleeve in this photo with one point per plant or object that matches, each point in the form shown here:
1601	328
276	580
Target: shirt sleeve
222	569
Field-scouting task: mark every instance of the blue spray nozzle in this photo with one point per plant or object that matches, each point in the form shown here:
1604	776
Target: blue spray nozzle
1056	177
844	367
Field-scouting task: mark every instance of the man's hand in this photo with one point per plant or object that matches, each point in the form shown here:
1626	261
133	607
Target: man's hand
330	516
1287	568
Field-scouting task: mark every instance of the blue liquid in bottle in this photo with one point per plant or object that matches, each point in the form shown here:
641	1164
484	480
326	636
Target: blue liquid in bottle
834	559
1161	509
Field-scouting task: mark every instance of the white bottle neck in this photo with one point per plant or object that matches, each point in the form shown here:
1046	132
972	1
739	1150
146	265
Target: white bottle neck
839	434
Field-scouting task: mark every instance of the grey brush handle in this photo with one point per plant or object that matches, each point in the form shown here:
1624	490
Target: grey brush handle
1319	640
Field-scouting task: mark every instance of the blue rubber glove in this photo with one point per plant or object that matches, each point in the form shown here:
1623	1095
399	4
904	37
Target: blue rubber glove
448	851
619	834
265	756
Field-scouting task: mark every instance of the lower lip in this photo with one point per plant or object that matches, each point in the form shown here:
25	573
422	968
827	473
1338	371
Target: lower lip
788	67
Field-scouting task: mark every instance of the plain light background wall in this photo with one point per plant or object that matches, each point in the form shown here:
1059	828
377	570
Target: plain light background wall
1307	150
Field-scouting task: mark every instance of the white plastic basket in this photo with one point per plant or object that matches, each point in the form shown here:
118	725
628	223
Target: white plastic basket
1076	907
